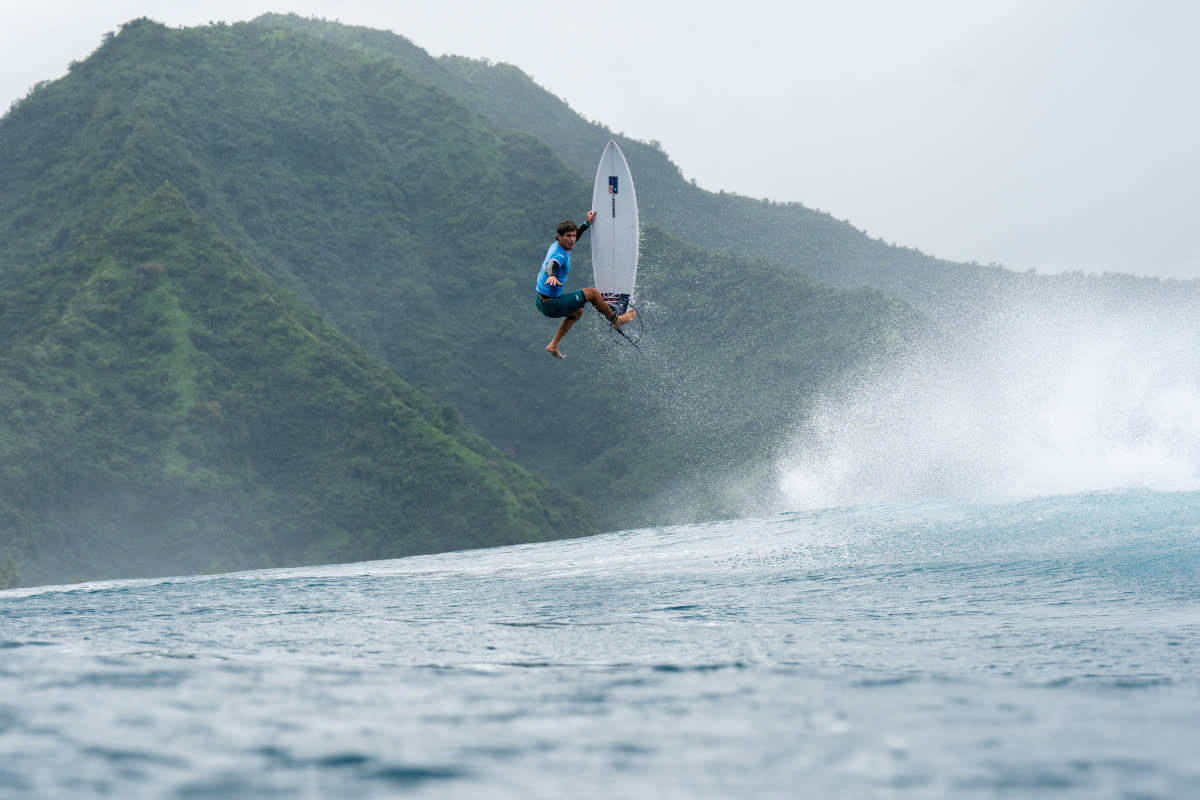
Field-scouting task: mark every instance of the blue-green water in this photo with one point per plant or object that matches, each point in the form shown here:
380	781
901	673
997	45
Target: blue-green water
954	649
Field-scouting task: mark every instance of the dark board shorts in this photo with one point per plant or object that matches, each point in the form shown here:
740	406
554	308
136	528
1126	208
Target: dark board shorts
561	306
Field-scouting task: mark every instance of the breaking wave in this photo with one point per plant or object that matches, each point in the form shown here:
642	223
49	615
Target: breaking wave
1058	393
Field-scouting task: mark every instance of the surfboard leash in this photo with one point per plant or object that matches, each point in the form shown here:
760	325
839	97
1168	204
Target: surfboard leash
612	327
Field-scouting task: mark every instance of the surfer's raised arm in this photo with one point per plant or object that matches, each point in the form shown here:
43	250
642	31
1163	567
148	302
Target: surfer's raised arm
554	267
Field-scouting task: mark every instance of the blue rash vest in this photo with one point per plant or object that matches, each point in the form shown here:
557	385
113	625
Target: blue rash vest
563	257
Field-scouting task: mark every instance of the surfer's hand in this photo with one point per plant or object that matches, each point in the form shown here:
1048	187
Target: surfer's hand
553	281
591	215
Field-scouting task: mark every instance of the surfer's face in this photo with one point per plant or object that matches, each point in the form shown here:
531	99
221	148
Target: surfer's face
567	240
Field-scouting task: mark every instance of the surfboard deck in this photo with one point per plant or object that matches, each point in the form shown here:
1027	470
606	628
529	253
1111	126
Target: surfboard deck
615	229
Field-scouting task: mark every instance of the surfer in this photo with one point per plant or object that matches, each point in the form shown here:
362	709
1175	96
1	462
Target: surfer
552	278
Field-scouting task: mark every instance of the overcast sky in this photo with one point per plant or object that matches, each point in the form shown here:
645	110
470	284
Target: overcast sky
1038	134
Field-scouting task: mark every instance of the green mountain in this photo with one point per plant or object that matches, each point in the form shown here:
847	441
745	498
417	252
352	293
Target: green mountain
402	220
787	235
170	408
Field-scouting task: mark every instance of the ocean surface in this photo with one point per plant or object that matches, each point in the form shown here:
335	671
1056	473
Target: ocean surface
1039	648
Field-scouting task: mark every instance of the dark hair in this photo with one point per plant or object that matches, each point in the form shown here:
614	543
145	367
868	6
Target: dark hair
566	226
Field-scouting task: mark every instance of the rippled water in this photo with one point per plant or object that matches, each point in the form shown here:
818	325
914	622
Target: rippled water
953	649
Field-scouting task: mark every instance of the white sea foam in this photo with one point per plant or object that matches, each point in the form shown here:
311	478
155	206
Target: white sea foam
1062	393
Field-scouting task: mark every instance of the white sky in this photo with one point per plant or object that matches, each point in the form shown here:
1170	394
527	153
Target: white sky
1038	134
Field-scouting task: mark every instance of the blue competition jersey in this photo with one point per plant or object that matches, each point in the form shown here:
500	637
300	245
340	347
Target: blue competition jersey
563	257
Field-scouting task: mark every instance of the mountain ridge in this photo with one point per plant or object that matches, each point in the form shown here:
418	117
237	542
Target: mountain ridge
787	234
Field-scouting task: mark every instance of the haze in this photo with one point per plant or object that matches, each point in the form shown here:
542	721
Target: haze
1046	136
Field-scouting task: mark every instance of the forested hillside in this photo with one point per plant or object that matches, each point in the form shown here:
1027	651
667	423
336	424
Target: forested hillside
170	408
413	225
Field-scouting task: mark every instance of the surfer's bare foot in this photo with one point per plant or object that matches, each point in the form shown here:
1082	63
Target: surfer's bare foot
553	350
624	318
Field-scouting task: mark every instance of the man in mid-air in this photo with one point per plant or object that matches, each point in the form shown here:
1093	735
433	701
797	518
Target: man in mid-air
552	278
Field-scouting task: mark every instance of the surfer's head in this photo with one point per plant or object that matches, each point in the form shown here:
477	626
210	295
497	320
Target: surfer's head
567	233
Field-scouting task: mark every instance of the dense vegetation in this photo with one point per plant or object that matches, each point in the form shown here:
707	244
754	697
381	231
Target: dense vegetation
266	299
167	407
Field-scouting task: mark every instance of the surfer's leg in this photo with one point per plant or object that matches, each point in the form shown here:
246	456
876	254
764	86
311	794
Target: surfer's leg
563	327
567	306
596	298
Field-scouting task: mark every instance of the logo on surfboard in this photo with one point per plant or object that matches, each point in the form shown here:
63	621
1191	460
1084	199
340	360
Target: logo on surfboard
612	184
617	302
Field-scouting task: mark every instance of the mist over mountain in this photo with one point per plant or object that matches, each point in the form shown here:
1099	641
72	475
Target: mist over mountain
376	385
790	235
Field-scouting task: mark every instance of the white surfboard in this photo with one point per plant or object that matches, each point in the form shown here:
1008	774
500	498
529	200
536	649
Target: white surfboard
615	229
